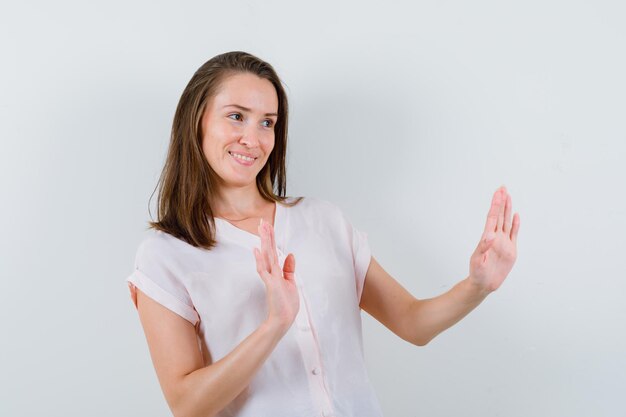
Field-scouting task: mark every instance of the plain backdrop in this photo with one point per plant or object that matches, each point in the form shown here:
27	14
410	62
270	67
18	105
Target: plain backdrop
406	115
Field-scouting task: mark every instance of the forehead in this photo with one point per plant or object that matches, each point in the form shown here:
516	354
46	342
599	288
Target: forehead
247	90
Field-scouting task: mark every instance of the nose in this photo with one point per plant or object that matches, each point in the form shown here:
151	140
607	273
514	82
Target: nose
249	137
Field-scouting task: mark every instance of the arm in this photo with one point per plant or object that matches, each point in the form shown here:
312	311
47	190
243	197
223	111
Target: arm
419	321
416	321
192	389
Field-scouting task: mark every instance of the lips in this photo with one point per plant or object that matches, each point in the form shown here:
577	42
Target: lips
242	159
233	153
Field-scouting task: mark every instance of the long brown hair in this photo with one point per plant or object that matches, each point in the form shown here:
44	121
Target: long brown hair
187	181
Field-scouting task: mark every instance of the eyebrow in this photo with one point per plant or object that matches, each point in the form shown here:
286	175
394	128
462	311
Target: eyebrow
248	110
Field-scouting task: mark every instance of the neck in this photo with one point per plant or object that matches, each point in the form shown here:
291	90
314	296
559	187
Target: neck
236	202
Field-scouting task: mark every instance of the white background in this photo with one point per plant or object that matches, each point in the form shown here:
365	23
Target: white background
406	115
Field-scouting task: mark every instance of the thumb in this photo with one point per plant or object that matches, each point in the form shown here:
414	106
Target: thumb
486	242
290	267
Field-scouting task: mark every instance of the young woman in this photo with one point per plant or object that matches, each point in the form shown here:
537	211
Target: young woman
250	301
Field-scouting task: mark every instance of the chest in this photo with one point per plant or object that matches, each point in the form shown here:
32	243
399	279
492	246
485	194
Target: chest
228	286
249	225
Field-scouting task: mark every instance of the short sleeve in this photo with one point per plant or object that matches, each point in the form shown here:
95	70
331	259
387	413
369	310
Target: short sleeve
361	253
157	275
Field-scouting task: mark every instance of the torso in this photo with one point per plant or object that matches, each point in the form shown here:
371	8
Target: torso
220	291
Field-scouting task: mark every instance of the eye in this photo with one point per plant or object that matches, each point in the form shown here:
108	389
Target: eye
235	114
270	122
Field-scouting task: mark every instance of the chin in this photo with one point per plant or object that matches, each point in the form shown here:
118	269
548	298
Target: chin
241	182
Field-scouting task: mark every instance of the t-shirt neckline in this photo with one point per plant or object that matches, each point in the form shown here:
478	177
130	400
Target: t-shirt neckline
233	232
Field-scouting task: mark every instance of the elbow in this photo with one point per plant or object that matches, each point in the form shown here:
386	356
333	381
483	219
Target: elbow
418	334
421	342
179	406
416	329
418	339
179	410
188	410
184	405
421	339
182	412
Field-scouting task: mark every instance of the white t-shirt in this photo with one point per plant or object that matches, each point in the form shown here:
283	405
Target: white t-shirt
317	368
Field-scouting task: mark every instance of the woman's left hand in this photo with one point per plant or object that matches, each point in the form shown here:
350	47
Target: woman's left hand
495	255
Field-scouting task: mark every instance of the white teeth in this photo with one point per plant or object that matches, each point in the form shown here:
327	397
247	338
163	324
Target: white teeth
245	158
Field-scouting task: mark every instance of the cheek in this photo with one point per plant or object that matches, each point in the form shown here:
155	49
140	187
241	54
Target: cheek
217	139
268	142
223	132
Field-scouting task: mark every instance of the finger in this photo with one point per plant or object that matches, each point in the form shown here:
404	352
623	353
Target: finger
507	214
501	209
271	247
515	227
492	216
486	242
273	244
290	267
264	247
260	263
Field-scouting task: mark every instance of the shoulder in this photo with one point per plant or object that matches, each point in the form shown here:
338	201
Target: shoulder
162	247
319	213
157	242
315	205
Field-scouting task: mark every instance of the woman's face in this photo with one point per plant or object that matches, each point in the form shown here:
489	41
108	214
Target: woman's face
238	128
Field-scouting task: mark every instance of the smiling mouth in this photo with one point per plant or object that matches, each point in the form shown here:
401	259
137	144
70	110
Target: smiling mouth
242	157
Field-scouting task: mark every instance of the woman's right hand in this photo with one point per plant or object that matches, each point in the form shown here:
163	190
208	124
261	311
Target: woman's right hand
283	300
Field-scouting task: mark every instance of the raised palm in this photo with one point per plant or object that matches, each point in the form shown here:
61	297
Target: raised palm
496	252
282	293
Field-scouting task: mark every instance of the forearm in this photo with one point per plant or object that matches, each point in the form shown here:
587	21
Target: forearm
434	315
208	390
